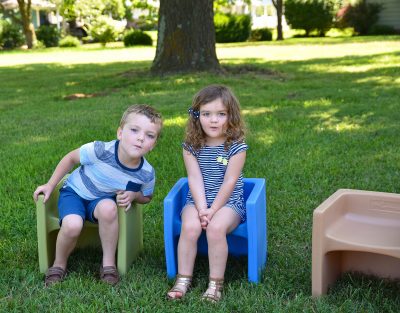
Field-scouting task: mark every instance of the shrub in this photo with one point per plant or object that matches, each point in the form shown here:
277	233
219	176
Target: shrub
310	15
382	30
232	28
49	35
137	37
10	35
69	41
261	34
103	30
361	16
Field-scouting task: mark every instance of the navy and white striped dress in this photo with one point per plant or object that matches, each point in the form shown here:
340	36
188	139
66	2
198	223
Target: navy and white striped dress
213	162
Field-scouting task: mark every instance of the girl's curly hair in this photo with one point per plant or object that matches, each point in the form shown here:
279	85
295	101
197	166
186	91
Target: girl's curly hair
195	135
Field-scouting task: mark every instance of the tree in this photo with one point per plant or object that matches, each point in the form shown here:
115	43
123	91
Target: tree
186	37
278	4
25	21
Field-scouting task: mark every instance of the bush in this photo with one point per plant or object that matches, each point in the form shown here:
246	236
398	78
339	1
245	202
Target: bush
261	34
49	35
69	41
232	28
361	16
103	30
10	35
137	37
310	15
382	30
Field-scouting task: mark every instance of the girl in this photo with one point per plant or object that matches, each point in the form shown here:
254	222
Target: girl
214	153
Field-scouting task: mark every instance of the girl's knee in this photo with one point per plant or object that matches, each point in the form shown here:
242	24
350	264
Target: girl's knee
215	231
191	231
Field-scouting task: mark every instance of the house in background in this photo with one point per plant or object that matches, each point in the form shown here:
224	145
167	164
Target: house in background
42	11
263	13
390	14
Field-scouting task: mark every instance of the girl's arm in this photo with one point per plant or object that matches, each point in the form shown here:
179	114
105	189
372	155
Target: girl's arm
63	167
195	178
232	174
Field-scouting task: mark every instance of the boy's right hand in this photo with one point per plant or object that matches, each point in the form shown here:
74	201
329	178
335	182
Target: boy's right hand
46	190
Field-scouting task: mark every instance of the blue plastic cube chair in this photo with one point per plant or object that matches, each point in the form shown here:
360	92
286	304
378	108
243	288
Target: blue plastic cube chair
249	238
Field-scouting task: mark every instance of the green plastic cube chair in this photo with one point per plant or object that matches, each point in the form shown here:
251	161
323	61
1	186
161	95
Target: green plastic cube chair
130	237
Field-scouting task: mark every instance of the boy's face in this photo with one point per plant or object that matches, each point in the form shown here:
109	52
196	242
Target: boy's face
137	137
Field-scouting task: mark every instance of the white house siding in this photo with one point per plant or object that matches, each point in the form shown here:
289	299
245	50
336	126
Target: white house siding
390	14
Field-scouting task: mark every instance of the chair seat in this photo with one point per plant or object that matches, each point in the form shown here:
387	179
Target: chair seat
371	232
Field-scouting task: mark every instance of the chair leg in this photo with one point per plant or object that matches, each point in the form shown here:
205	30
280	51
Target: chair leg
130	238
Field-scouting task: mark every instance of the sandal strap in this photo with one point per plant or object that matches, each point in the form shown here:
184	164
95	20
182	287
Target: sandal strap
55	271
214	290
182	284
54	274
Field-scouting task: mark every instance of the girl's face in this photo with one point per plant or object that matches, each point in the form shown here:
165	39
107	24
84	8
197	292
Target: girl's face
214	121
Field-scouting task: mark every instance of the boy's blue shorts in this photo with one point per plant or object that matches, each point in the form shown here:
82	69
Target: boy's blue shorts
69	202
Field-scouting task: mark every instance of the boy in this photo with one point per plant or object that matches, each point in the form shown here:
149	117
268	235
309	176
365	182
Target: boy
110	174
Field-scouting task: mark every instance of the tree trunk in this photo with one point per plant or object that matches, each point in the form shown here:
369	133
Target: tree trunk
186	37
27	26
278	4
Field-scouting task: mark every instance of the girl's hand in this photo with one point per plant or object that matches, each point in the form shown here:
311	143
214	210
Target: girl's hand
205	216
46	190
125	198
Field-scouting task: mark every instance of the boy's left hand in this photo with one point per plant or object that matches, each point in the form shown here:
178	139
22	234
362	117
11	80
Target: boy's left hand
125	198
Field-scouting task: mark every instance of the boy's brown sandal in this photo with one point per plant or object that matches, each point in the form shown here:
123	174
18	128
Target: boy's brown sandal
54	275
214	290
109	275
181	286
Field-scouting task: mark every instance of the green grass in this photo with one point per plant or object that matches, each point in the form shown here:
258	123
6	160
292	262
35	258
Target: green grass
321	114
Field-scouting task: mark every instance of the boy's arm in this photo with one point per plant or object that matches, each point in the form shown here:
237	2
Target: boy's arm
232	174
196	182
63	167
125	198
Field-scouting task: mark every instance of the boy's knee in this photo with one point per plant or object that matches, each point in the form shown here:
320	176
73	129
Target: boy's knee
72	225
106	211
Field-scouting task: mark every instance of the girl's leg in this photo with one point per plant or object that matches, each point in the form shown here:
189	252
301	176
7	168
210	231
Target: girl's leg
222	223
187	250
107	215
187	245
70	230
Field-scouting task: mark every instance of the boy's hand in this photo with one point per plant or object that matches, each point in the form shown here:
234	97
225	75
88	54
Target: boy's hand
46	190
125	198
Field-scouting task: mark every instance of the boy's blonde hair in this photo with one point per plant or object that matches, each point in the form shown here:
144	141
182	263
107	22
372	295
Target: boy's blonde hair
143	109
195	135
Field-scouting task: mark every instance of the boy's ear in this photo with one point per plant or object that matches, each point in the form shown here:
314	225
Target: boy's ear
119	133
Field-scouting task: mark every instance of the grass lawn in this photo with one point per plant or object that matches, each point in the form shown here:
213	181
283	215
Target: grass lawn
321	114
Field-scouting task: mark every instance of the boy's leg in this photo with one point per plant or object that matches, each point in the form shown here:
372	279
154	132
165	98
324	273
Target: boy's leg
66	241
70	230
222	223
107	215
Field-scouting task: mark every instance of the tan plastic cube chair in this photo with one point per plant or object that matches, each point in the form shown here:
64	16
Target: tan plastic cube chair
130	238
358	231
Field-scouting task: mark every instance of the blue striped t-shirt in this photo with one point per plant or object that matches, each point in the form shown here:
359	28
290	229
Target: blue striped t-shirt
213	161
102	174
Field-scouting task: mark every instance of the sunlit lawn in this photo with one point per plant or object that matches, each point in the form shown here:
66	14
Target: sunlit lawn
321	114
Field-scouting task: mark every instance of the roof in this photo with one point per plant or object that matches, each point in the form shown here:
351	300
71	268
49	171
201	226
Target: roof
36	4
